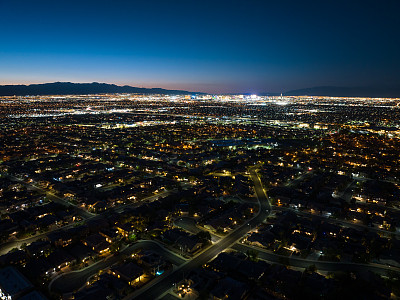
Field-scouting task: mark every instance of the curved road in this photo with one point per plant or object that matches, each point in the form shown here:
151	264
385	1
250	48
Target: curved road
69	282
294	261
329	266
7	246
155	290
339	221
17	243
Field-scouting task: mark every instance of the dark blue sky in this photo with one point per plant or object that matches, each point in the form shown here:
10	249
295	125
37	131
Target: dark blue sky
212	46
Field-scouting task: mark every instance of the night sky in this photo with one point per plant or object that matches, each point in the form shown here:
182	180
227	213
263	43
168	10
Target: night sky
209	46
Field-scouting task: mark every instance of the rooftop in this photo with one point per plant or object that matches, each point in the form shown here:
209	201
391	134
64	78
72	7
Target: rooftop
13	282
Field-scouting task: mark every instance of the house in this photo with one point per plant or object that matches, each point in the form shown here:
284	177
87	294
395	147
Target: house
18	257
220	223
229	288
80	252
66	216
320	285
190	243
261	239
94	225
252	270
283	274
38	248
79	232
109	234
46	221
242	185
153	261
60	259
157	225
225	262
98	207
97	243
60	238
391	256
299	242
7	227
173	235
129	272
13	284
183	240
38	267
203	279
126	229
117	284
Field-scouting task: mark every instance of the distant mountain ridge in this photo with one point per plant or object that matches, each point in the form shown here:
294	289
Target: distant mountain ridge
336	91
69	88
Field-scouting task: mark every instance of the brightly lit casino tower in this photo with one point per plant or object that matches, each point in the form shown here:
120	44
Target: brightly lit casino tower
281	100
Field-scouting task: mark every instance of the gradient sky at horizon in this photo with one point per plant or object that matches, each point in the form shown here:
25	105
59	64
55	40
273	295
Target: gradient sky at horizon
207	46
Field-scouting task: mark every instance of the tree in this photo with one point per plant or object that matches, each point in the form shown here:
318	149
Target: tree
252	254
115	246
132	237
3	237
204	235
310	269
